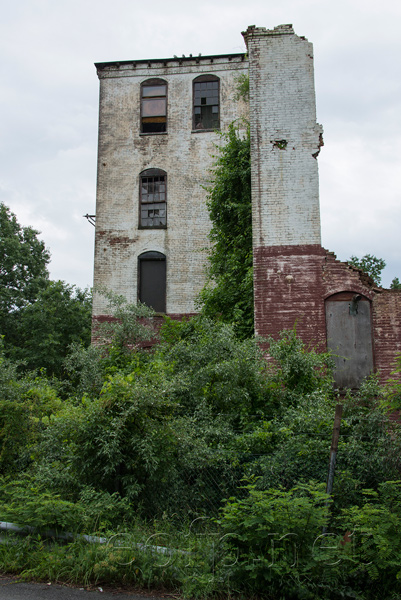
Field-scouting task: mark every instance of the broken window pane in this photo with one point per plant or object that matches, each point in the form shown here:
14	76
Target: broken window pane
206	102
153	197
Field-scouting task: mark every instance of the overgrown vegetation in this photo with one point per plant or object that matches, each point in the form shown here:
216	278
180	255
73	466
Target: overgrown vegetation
202	447
373	266
228	293
199	465
39	318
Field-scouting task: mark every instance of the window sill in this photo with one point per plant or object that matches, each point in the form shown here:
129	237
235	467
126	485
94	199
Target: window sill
205	131
154	133
152	226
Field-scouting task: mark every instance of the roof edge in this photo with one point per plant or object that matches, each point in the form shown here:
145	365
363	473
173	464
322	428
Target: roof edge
148	61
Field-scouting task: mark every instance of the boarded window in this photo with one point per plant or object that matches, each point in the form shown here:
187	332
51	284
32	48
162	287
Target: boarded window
153	199
154	106
152	280
206	102
349	337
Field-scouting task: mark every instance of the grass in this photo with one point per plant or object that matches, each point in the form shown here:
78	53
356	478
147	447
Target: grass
126	560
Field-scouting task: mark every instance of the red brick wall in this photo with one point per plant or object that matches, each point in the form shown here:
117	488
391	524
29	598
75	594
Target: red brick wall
291	284
387	329
288	290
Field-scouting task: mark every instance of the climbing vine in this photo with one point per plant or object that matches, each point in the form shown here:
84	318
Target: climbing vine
228	293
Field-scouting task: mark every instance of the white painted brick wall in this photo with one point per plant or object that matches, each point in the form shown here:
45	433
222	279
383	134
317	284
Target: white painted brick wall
285	192
285	186
186	156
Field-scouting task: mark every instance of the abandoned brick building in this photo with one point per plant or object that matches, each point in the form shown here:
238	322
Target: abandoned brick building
158	126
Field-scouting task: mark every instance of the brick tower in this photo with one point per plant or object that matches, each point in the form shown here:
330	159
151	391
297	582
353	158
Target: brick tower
285	142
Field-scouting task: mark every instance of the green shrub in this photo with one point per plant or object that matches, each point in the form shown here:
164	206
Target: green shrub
27	402
23	503
209	366
376	540
300	370
273	543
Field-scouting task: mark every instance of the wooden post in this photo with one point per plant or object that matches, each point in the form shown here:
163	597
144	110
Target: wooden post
334	447
333	451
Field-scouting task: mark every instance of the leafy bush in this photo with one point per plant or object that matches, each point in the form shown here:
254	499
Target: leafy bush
375	536
26	404
210	367
301	370
130	325
27	503
23	503
273	541
60	316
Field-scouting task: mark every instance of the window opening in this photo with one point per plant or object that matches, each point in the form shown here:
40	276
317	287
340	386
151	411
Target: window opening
153	198
152	280
154	106
206	102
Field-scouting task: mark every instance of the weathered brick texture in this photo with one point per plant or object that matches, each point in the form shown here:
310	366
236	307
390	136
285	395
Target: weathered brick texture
387	329
285	138
185	155
293	275
292	285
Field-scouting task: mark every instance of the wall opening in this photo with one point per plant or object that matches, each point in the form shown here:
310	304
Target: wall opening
152	280
349	337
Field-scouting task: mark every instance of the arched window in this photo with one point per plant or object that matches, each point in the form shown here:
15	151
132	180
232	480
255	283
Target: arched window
154	106
152	280
206	102
153	199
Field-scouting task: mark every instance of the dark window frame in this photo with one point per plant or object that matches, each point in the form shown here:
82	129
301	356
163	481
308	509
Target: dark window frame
196	122
148	83
155	257
150	174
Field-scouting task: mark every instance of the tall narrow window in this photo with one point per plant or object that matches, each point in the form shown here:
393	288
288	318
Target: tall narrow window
152	280
153	199
206	102
154	106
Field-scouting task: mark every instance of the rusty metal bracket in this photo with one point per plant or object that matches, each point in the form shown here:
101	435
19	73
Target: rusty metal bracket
91	219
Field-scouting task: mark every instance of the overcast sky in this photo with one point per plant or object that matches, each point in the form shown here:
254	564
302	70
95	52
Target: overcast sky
49	108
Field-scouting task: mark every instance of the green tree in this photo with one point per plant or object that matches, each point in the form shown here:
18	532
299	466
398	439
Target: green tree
228	292
25	401
23	267
372	265
39	318
395	284
44	330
